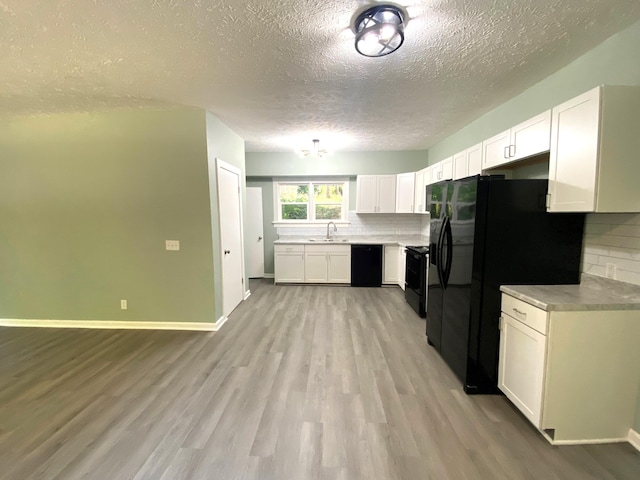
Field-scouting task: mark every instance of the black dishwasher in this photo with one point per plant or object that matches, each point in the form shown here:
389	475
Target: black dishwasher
366	265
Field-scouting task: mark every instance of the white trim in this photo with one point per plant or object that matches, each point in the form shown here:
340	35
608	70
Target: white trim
221	321
269	275
111	324
634	439
310	180
247	294
588	441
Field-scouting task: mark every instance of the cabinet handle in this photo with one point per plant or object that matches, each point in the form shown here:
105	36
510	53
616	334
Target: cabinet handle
500	320
519	312
512	153
506	152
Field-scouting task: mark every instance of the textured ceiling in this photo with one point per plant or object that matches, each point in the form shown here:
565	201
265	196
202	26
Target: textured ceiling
281	72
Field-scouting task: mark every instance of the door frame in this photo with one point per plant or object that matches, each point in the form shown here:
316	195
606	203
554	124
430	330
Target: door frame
235	170
250	218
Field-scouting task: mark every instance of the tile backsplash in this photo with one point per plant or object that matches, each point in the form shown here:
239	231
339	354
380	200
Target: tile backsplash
612	238
369	224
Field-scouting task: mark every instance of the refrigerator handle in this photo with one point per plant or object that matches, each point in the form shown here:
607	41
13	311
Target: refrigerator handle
440	260
449	239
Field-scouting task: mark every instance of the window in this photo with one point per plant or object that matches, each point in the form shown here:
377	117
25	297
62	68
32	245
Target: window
311	201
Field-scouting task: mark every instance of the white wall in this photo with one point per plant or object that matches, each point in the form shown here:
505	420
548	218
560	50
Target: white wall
613	238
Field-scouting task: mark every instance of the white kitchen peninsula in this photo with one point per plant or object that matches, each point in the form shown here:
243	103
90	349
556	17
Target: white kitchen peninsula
570	357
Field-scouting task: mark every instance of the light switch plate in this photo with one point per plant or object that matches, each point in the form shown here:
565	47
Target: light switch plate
172	245
123	304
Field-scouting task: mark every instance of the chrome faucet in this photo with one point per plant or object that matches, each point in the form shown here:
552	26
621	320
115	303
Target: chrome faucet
335	229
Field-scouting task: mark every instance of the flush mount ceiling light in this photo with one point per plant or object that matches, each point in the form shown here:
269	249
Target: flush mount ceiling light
315	151
379	30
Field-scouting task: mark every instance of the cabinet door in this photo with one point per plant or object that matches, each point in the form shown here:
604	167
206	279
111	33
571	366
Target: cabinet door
390	266
531	137
573	159
402	267
474	160
418	193
405	183
495	150
521	366
386	194
289	267
366	193
339	267
436	172
315	267
447	169
460	165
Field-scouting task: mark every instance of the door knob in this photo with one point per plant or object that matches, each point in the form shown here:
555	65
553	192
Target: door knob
259	238
227	251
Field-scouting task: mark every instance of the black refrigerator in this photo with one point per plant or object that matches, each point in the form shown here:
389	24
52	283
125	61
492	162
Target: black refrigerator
485	232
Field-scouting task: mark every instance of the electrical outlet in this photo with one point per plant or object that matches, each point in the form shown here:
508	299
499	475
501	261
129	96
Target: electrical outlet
123	304
172	245
610	271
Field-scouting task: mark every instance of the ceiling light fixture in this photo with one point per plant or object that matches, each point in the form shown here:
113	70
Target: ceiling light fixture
379	30
315	151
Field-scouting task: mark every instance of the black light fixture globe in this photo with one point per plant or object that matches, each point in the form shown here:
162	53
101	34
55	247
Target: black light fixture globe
379	30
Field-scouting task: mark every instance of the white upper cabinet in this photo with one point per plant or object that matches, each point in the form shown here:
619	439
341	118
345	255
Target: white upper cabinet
422	179
474	160
405	184
495	150
595	143
443	170
468	162
528	138
531	137
376	194
460	165
386	193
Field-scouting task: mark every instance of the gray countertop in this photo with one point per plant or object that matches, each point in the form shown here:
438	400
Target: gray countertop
593	293
402	240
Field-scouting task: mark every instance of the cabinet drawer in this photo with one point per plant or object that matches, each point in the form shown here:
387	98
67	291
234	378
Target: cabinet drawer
527	314
288	248
327	248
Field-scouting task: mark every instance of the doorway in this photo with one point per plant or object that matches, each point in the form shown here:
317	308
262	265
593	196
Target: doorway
231	244
255	233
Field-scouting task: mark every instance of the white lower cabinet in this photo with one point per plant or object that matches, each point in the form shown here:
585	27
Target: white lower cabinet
327	263
574	374
289	263
391	259
521	373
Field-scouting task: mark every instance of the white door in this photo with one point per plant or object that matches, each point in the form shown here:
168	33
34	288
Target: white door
255	234
366	191
405	192
230	209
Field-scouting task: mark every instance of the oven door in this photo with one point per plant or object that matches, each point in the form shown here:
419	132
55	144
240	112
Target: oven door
414	280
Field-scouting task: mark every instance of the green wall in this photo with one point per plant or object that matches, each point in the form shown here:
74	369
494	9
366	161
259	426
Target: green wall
344	164
87	202
615	61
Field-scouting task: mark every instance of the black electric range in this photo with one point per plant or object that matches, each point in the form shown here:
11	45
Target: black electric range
415	291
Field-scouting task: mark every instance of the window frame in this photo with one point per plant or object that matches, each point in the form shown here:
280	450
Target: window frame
277	210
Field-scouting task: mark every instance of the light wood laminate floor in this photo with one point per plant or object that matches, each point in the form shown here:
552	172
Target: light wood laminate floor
303	382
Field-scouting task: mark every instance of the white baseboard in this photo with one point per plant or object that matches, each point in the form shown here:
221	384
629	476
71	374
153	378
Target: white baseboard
221	321
590	441
247	294
112	324
269	275
634	439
